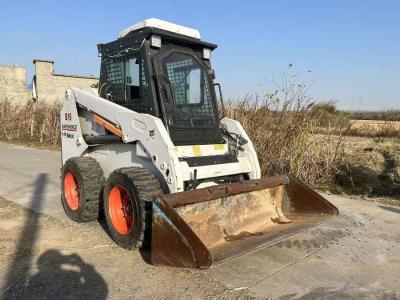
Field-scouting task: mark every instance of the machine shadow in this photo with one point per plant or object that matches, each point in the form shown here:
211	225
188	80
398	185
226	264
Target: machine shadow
389	208
19	268
62	276
146	255
59	275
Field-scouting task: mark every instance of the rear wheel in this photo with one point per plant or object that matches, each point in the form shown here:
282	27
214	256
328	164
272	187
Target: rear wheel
127	206
81	184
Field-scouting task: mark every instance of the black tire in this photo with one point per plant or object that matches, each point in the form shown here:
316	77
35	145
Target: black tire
90	180
140	185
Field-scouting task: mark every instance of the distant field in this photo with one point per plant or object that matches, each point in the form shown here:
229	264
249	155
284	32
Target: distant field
375	127
390	115
372	167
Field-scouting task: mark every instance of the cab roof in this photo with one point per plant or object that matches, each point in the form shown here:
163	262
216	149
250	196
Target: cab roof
168	32
163	25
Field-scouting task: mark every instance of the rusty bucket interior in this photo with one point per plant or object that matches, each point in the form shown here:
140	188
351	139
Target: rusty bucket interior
204	227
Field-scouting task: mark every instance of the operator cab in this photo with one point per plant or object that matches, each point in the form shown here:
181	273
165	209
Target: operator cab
163	69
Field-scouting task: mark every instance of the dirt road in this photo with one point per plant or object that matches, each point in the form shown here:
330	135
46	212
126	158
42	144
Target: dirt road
44	255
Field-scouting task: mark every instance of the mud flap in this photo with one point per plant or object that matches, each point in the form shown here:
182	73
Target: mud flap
200	228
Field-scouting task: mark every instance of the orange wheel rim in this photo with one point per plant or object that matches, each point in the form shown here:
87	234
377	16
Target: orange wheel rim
71	190
120	210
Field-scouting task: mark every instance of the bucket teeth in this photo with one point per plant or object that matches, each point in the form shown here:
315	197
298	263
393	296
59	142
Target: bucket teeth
280	218
280	198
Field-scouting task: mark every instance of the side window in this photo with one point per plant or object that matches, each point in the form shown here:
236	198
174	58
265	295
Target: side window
127	84
132	79
114	89
193	86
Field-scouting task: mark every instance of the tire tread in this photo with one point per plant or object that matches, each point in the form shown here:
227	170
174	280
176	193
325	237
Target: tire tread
146	185
92	181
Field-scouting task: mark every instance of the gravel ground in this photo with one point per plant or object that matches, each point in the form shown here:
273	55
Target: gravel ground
42	257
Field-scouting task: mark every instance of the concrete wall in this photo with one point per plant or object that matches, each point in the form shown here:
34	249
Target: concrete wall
13	84
49	86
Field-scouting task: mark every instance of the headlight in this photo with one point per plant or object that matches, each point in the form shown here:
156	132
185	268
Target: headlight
206	53
155	41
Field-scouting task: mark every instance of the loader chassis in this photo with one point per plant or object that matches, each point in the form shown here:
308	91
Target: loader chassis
164	102
146	143
149	148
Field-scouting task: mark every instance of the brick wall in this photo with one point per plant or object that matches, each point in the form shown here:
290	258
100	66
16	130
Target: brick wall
49	86
13	84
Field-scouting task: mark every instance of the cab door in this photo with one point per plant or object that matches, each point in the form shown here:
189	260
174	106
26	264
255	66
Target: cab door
187	98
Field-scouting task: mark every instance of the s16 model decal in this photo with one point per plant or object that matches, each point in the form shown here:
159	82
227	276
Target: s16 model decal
68	117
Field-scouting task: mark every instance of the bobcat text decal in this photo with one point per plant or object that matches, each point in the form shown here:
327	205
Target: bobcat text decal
68	128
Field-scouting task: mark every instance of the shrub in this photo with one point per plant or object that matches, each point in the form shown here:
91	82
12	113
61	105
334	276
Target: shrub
31	122
285	132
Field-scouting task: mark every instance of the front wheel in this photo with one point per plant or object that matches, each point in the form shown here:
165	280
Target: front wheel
127	205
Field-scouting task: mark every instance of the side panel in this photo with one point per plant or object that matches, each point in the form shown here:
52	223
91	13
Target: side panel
211	171
115	156
249	151
72	141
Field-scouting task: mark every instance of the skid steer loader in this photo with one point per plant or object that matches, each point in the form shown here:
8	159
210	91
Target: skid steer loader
149	148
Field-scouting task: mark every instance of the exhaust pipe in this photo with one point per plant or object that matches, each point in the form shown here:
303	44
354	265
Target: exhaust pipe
204	227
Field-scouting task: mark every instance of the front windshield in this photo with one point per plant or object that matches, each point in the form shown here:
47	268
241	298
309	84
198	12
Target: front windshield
193	105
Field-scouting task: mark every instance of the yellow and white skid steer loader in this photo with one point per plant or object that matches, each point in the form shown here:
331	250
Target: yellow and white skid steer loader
149	148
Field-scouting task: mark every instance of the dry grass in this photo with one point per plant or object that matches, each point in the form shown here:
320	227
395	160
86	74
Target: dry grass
31	122
286	141
285	128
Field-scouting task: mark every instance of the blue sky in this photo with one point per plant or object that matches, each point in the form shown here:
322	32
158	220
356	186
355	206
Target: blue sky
352	47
